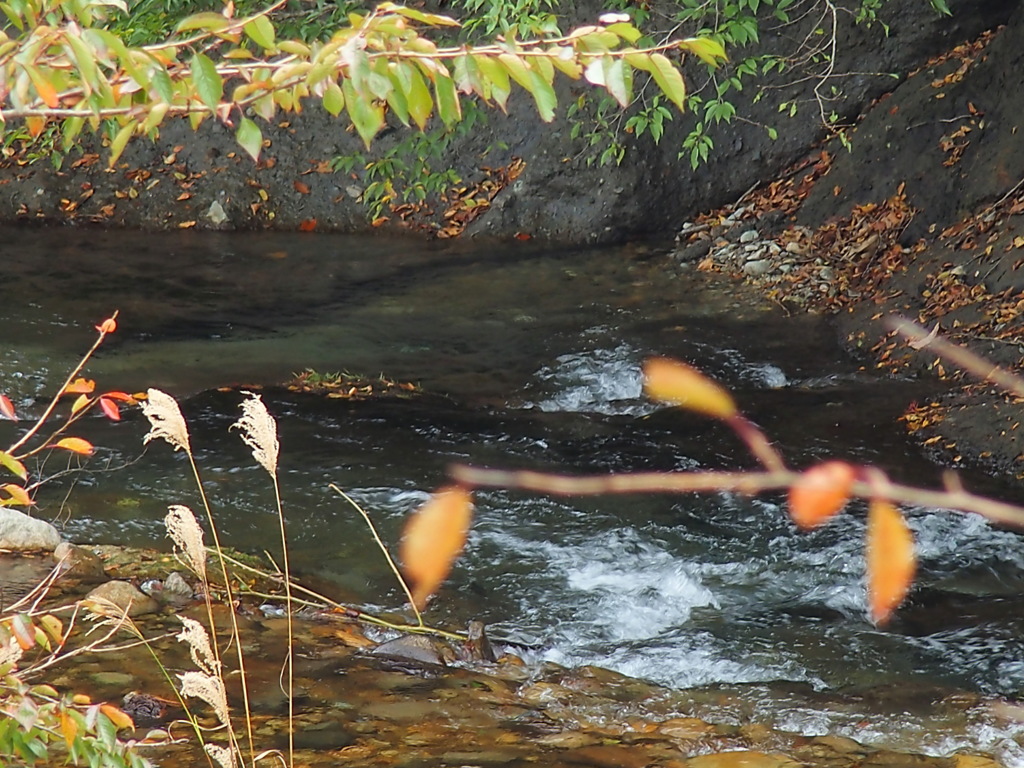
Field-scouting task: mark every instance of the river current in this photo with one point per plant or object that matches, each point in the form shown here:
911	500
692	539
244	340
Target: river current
529	357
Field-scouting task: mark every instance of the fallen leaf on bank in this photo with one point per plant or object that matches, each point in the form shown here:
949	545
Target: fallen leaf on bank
891	562
301	187
307	225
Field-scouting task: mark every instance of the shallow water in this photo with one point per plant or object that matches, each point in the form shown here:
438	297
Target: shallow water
530	358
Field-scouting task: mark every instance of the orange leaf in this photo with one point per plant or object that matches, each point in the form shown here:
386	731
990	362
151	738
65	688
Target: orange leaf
75	445
124	397
820	492
80	387
434	537
117	717
110	409
301	187
307	225
891	559
68	728
107	326
7	408
673	382
18	495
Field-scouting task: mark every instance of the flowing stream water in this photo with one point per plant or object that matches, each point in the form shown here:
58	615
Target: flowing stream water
529	357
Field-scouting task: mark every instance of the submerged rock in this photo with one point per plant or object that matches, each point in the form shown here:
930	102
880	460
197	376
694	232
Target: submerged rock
420	648
78	563
122	597
22	533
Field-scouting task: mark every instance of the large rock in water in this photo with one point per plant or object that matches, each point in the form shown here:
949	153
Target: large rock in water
560	194
21	533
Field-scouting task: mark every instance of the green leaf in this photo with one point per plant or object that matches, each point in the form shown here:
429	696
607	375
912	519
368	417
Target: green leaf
448	106
156	115
626	31
421	104
69	132
544	95
85	58
668	79
516	68
617	80
709	50
411	13
249	137
261	31
334	101
206	80
209	21
120	141
367	116
162	83
495	77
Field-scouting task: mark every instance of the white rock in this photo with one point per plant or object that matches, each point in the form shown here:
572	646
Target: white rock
794	247
21	533
757	268
749	236
216	213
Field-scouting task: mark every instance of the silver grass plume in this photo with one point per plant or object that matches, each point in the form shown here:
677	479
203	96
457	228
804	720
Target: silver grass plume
11	652
223	756
198	640
166	421
210	689
184	529
258	430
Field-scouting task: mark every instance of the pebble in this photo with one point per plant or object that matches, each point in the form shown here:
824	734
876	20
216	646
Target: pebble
749	236
794	248
827	273
757	268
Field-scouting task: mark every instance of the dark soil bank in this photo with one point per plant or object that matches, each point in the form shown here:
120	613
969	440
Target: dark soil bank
921	217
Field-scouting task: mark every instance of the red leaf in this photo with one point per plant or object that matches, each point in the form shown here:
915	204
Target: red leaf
820	492
23	631
75	445
80	387
891	560
307	225
124	397
110	409
7	408
301	187
434	537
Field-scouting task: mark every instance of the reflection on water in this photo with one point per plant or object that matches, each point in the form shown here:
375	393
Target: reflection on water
531	358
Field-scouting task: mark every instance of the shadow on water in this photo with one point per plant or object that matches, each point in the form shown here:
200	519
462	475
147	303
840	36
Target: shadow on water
530	357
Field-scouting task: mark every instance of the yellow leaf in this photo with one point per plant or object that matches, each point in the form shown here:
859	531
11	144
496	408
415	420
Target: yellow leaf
820	492
68	728
891	559
80	402
673	382
18	495
75	445
117	717
434	537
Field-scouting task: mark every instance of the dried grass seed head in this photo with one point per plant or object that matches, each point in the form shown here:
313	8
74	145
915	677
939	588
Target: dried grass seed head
258	430
187	534
208	688
166	421
197	638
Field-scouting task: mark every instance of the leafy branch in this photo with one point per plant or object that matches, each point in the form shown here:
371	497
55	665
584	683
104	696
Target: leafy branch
74	70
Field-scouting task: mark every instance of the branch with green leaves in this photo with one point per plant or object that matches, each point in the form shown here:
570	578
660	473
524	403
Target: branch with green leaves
64	65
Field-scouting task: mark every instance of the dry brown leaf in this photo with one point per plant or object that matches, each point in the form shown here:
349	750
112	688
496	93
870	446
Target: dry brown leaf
434	537
891	559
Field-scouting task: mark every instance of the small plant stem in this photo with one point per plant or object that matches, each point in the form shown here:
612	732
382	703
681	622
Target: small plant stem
290	693
236	636
757	442
56	398
384	549
738	482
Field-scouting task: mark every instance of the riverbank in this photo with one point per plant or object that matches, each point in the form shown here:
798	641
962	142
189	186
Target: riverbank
369	699
920	220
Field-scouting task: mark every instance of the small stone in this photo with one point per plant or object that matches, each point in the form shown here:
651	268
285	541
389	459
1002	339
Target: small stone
827	273
78	563
786	267
749	236
568	740
425	650
742	760
755	248
117	597
795	248
757	268
774	248
216	213
607	756
21	533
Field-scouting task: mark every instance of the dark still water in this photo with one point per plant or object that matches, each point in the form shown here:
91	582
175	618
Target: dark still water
530	358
